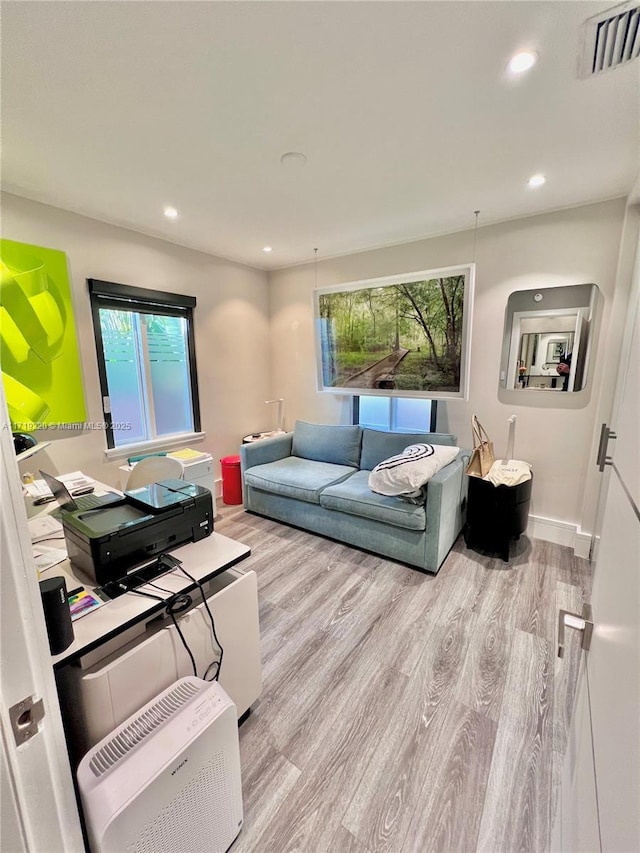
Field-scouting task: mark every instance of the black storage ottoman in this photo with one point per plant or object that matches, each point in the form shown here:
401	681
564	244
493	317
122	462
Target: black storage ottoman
496	515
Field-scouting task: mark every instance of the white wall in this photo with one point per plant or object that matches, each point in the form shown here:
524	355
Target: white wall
574	246
255	342
231	323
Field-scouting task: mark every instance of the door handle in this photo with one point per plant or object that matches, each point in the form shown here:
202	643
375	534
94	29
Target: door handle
582	623
602	459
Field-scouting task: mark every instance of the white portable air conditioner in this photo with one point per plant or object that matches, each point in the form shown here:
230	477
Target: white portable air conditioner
168	778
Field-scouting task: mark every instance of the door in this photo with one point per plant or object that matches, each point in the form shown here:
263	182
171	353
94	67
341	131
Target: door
39	811
599	807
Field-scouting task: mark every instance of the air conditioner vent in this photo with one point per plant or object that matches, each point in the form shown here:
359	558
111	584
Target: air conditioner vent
142	726
611	39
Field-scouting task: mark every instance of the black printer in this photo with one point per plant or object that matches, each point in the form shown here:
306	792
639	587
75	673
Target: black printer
106	542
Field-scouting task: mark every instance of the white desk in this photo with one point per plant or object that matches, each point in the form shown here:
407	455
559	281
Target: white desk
204	560
125	652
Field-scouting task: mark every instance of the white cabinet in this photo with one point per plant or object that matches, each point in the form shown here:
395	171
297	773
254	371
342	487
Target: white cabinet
108	690
198	471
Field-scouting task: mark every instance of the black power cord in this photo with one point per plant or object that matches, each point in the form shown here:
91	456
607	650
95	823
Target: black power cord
216	663
174	605
179	603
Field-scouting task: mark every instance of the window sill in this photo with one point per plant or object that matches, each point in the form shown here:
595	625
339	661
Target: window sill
168	443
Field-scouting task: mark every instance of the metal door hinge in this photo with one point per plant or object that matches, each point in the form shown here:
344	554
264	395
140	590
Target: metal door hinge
25	717
582	623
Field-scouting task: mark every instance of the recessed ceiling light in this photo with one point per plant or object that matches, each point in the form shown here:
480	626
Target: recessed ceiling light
170	212
522	61
537	180
293	158
267	249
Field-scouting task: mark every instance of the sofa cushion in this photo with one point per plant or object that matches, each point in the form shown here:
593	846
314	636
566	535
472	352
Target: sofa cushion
338	445
296	478
407	472
378	445
353	496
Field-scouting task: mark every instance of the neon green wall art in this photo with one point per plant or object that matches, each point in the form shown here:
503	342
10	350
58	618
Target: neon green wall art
38	344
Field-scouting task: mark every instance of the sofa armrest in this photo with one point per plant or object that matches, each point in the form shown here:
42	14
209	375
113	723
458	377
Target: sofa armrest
446	502
265	450
452	469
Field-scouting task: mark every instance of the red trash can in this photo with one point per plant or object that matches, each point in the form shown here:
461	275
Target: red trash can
231	480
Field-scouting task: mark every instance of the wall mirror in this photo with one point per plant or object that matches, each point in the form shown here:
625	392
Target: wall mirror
547	338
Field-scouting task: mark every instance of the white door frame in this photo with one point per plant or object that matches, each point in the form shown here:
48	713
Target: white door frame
38	791
598	808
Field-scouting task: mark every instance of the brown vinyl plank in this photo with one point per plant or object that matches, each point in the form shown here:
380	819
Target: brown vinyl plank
382	807
458	769
344	842
484	672
311	815
379	648
449	599
301	618
535	599
267	779
293	689
401	711
517	807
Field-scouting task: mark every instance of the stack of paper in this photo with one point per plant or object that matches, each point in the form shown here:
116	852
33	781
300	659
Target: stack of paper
44	527
37	489
45	558
187	454
75	481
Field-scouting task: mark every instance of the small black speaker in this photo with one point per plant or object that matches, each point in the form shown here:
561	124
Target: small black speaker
56	614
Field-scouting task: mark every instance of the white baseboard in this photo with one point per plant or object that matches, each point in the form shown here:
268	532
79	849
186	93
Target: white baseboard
582	547
547	529
560	532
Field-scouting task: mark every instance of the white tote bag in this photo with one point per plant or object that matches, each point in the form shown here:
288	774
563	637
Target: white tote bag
509	472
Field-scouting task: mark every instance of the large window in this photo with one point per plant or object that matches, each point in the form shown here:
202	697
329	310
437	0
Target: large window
146	361
400	414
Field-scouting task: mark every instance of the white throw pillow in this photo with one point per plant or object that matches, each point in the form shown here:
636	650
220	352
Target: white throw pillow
407	472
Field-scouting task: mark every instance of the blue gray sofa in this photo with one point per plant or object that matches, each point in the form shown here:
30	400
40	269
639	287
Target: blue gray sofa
316	477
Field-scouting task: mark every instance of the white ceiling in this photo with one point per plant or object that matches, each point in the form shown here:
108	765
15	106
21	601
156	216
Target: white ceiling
404	110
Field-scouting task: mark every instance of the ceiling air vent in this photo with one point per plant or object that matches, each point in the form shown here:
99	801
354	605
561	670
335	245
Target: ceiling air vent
611	39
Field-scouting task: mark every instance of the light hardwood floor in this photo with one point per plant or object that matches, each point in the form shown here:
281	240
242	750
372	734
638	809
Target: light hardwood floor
400	711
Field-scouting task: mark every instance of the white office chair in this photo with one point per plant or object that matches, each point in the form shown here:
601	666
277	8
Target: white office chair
154	468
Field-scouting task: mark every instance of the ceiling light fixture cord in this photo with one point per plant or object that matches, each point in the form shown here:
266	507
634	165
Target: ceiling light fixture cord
315	268
476	213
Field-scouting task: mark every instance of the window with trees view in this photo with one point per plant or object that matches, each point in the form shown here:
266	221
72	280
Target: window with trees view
146	362
404	336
